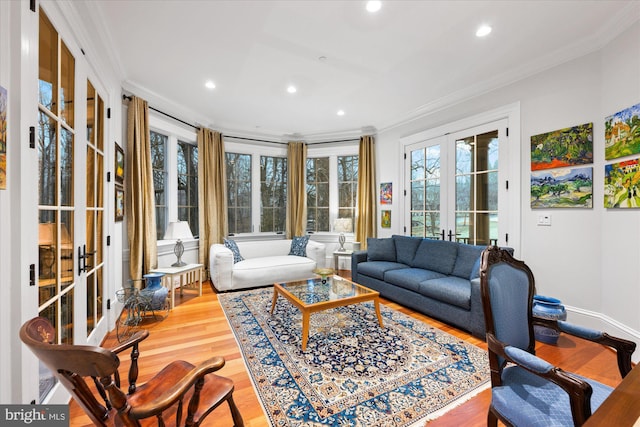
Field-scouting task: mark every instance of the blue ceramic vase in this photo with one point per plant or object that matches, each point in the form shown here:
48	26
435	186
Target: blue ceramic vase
547	308
154	284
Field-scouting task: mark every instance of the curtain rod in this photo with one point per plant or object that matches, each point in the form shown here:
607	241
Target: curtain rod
128	98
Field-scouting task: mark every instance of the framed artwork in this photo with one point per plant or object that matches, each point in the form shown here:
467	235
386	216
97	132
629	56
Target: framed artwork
386	193
386	219
622	133
562	188
3	138
621	184
561	148
119	204
119	166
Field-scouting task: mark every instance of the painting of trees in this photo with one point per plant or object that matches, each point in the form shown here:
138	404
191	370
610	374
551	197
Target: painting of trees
561	148
3	138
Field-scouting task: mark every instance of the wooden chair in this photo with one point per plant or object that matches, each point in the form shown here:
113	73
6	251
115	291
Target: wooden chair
162	397
526	390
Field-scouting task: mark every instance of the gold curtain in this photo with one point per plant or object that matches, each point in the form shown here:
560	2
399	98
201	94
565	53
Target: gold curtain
212	192
139	192
296	189
367	208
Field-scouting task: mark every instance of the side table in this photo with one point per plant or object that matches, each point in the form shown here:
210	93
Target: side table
188	274
336	257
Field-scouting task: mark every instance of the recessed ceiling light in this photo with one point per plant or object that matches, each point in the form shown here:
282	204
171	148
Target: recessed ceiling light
340	112
484	30
373	6
210	85
292	89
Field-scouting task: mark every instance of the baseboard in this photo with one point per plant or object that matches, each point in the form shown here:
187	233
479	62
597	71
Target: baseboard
595	320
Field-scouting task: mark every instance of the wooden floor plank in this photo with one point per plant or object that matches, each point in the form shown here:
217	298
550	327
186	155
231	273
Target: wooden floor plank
197	329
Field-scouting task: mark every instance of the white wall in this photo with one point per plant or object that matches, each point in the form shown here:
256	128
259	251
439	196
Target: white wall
588	258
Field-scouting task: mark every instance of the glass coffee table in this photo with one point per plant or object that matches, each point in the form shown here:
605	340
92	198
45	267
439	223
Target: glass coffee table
314	295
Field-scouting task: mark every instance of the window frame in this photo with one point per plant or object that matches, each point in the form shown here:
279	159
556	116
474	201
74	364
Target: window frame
174	134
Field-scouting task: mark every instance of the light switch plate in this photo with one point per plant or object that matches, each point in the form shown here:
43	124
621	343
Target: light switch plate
544	219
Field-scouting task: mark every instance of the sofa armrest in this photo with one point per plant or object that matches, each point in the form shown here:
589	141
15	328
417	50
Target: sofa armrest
356	258
221	267
317	252
476	324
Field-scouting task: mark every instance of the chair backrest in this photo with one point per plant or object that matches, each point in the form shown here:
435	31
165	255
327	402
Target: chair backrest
507	287
71	364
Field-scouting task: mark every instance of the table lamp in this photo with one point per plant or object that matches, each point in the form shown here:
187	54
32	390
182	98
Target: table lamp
177	231
342	225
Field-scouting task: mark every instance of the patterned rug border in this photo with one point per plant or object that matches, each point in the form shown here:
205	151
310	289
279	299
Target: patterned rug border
420	422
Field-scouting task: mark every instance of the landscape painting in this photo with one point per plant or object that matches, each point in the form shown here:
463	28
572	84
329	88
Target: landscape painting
561	148
562	188
622	133
621	184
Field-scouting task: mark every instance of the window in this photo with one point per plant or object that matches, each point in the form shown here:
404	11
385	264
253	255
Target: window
347	187
273	193
158	164
239	193
188	185
318	194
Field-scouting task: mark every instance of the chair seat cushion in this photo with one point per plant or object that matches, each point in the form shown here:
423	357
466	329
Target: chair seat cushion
528	400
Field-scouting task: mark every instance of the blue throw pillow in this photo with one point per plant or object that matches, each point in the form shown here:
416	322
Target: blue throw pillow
299	246
381	249
231	245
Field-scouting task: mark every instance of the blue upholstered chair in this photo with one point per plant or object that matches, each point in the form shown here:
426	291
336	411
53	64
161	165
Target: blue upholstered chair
526	390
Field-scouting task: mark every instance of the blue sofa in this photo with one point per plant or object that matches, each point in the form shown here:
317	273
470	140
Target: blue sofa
435	277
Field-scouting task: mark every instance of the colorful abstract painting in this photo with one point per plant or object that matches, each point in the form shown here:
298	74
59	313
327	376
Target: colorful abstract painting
3	138
622	133
562	188
621	188
386	193
561	148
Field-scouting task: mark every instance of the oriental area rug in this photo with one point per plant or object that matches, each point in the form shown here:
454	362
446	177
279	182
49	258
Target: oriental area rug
353	373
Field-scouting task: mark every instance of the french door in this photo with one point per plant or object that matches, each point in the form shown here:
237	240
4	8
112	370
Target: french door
457	190
70	146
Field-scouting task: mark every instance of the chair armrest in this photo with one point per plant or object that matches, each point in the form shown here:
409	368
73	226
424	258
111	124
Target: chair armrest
172	393
133	340
221	266
624	348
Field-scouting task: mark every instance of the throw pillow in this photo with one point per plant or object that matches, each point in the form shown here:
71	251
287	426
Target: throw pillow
299	246
233	247
381	249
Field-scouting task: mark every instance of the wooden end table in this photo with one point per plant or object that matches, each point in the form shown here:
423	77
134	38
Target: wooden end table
188	274
313	295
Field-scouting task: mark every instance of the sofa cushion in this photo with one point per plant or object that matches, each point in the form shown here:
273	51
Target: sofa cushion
436	255
410	278
467	257
381	249
299	246
377	269
450	289
233	247
406	248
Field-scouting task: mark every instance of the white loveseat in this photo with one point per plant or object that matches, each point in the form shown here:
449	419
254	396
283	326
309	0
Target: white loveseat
265	262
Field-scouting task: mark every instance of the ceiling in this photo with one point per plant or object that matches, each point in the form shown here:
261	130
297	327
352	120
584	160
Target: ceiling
382	69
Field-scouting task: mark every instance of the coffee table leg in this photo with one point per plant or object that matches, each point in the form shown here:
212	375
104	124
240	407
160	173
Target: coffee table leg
275	298
305	329
376	303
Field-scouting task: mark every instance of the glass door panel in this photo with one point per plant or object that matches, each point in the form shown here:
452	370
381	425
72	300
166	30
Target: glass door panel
425	182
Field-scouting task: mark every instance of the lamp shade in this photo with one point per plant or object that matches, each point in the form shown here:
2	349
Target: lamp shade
343	225
178	230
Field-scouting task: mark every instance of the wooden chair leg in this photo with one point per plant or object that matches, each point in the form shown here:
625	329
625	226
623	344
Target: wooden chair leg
235	413
492	419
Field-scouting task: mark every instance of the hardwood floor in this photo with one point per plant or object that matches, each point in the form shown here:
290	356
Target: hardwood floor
197	329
